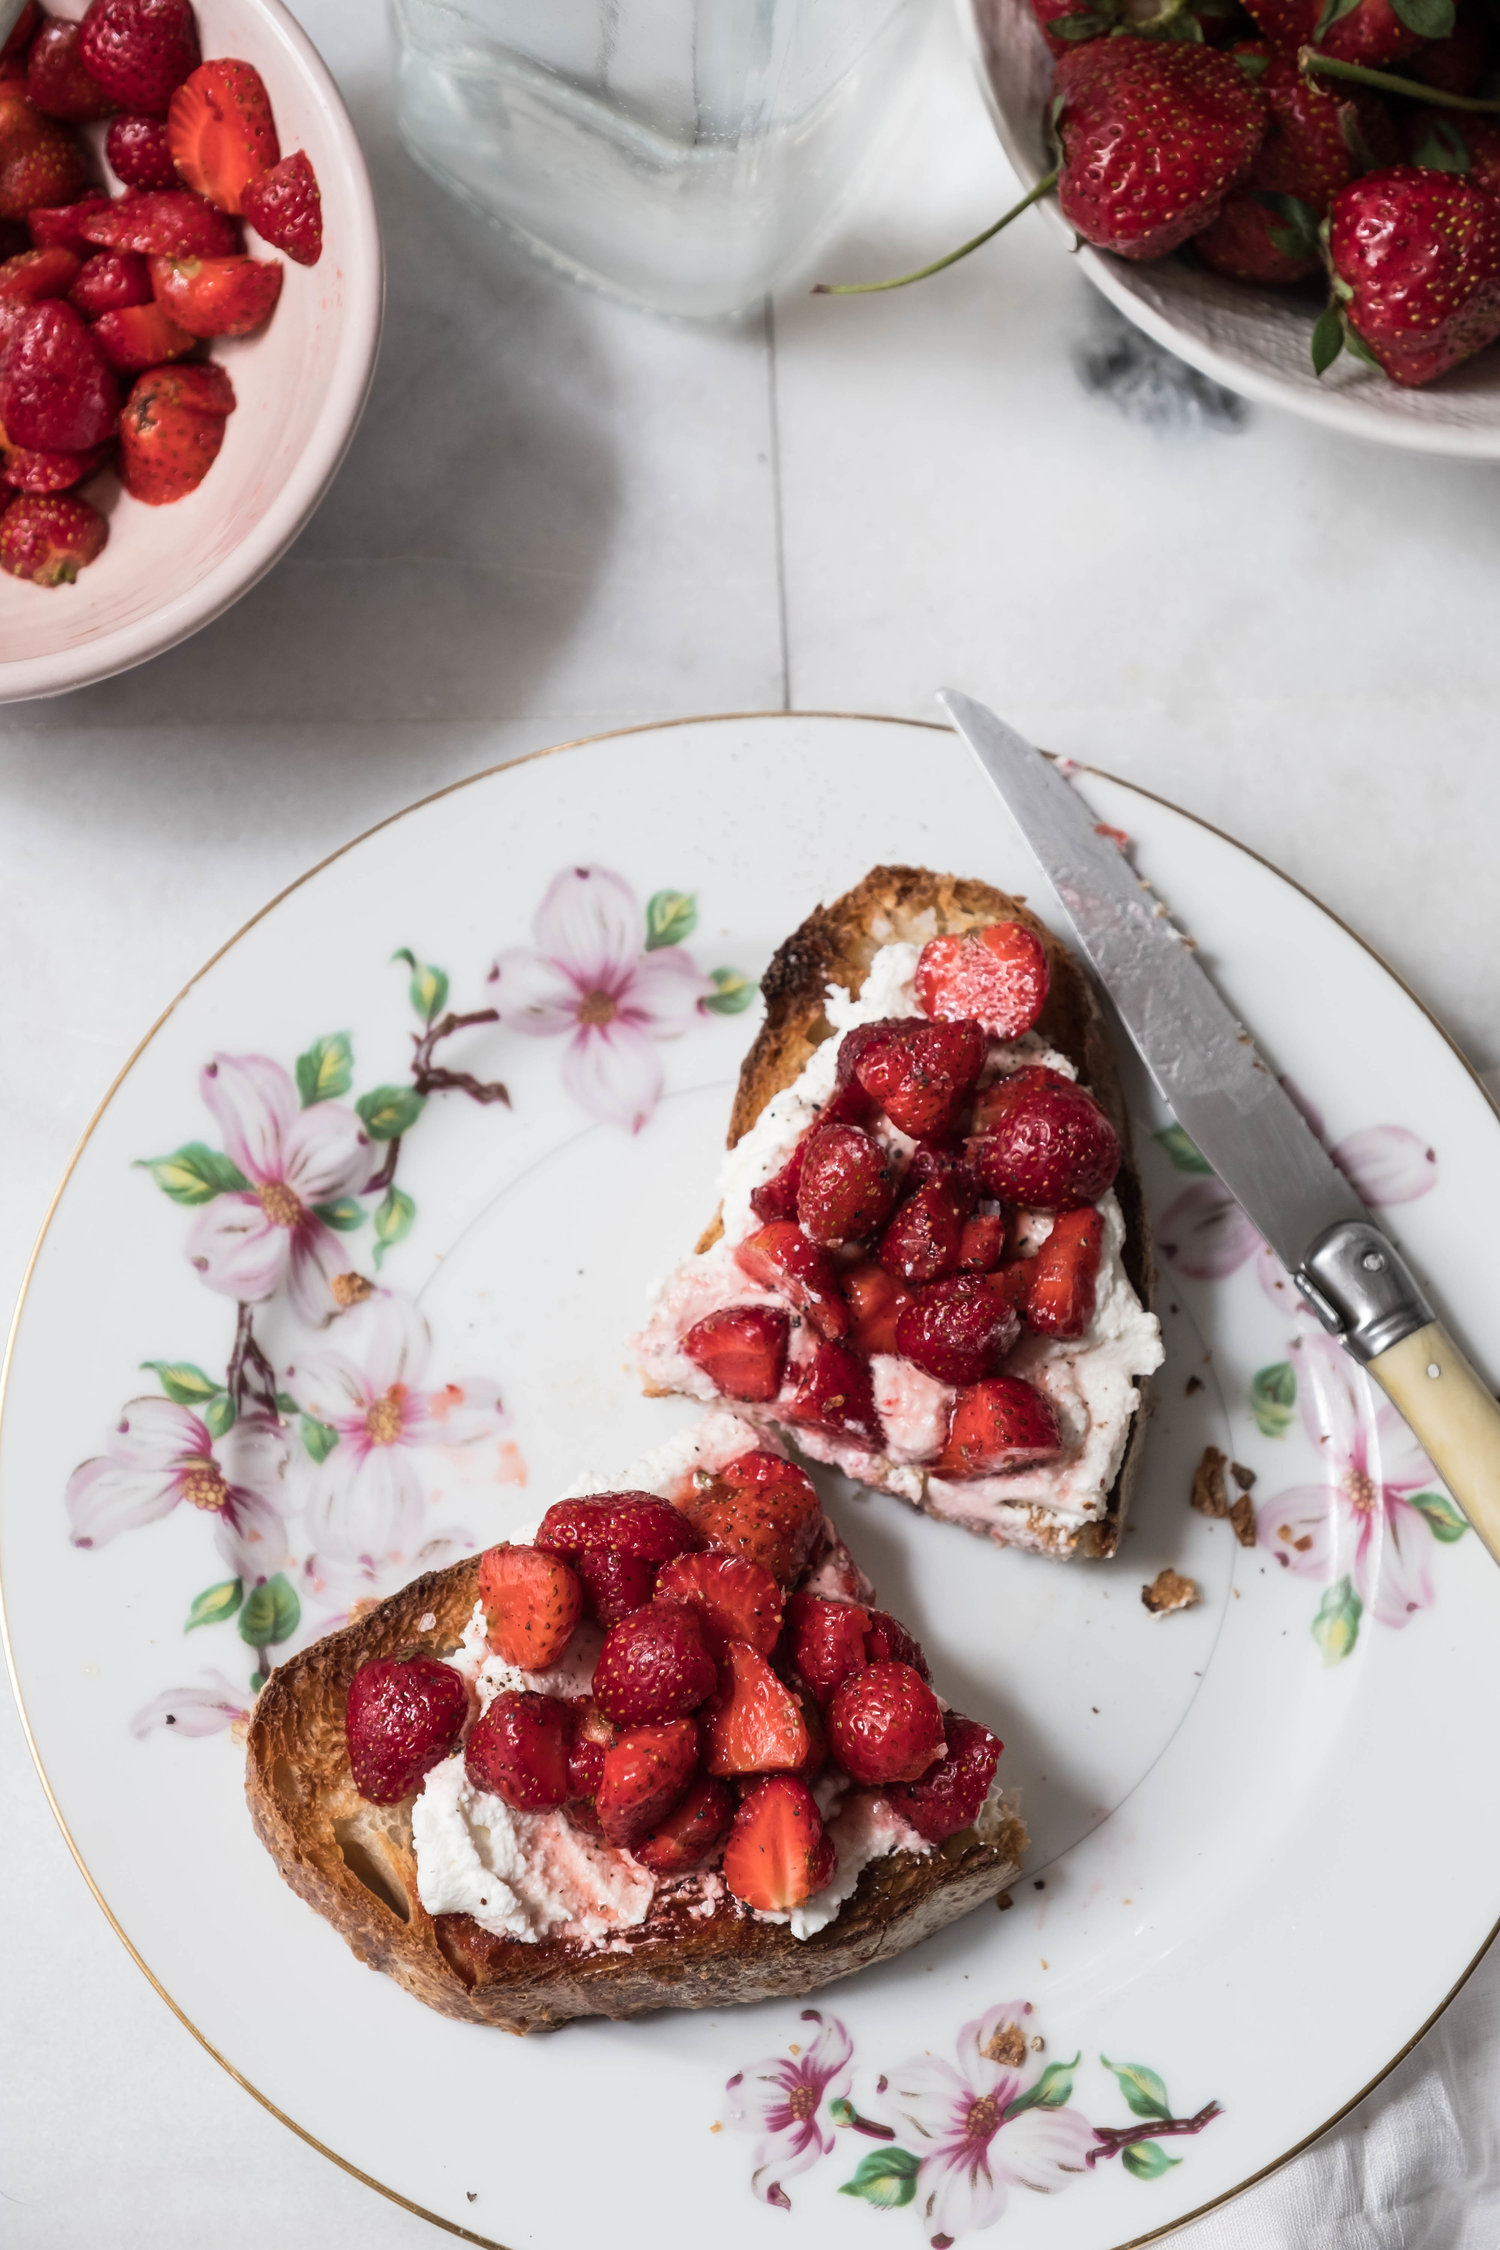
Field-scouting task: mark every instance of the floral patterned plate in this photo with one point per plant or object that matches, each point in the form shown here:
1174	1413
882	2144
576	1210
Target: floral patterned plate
338	1286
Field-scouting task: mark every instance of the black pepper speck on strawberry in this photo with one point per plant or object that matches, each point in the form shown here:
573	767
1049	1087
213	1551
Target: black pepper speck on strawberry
130	284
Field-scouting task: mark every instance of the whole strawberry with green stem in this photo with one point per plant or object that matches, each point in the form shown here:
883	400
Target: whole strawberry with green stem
1414	258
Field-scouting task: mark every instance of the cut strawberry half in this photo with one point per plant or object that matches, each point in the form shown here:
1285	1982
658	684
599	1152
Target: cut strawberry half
40	273
217	296
162	223
109	281
924	1240
614	1584
687	1836
778	1852
285	208
999	1424
402	1716
949	1795
834	1393
1045	1143
654	1665
982	1243
140	336
997	975
888	1642
738	1600
1065	1275
781	1258
62	226
220	130
518	1750
754	1723
957	1330
885	1724
847	1185
742	1350
171	430
532	1603
645	1774
826	1640
633	1523
771	1520
776	1198
921	1074
877	1300
593	1734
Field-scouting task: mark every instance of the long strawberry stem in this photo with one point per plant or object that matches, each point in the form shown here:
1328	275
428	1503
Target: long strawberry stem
1387	82
1043	188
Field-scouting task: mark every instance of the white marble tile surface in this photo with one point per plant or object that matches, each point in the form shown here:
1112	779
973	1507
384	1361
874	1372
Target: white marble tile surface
562	516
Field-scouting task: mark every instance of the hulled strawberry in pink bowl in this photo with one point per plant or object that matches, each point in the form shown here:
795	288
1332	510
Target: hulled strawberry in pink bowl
190	300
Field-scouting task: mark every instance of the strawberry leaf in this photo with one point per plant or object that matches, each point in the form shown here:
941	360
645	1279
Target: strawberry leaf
1356	344
1297	235
1442	147
1327	339
1429	19
1254	66
1335	12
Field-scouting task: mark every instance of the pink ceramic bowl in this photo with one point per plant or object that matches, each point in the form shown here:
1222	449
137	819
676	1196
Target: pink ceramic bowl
300	383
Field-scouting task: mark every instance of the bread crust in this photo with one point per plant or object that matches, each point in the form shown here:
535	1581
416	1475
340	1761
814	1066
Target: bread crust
837	945
341	1854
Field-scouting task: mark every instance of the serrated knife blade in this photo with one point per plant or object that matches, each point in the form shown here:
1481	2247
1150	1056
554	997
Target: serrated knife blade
1229	1101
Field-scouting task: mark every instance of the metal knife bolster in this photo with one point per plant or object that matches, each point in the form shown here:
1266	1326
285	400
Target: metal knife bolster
1362	1289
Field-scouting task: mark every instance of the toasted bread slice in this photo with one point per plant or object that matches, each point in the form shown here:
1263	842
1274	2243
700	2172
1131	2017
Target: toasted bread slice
837	945
699	1948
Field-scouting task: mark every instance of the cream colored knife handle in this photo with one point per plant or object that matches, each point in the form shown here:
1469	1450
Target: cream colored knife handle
1454	1418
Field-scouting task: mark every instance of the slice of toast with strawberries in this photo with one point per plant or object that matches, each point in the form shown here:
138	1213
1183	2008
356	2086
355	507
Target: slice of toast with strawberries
666	1752
931	1265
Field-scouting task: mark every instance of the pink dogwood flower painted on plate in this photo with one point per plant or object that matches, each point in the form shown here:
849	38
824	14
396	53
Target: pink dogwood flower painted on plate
161	1456
996	2119
615	983
213	1706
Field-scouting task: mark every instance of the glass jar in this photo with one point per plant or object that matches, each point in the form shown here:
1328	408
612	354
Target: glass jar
686	154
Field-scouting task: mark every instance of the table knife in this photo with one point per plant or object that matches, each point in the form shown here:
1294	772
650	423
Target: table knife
1227	1099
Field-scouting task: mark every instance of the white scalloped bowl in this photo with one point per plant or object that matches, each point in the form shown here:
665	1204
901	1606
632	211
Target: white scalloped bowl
300	384
1253	340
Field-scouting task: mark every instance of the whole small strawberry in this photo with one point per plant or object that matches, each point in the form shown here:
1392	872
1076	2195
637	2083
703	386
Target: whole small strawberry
1154	135
58	82
139	153
1044	1142
885	1724
285	207
40	159
140	51
56	391
28	469
403	1714
1415	259
1259	237
654	1665
50	537
171	429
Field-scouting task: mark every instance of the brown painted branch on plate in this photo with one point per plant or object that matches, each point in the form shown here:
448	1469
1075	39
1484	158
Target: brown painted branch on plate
1112	2138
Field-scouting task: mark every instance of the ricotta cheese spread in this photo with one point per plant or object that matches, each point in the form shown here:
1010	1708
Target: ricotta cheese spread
1090	1382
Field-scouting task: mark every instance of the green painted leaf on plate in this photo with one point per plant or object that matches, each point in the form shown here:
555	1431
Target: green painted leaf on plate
1336	1626
215	1603
732	993
184	1383
1443	1519
393	1221
1182	1151
671	916
326	1070
1273	1398
269	1613
1051	2091
344	1216
428	987
887	2177
319	1438
1147	2160
219	1415
194	1173
390	1111
1145	2095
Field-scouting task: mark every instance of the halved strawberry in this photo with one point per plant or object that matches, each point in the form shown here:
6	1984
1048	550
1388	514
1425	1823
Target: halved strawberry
742	1350
39	273
877	1300
754	1723
107	282
1003	1423
140	336
217	296
834	1393
518	1749
771	1521
41	160
614	1584
776	1198
982	1243
781	1257
924	1239
402	1716
888	1642
688	1835
532	1602
948	1796
1065	1275
737	1599
847	1185
1045	1143
285	208
137	152
778	1852
61	227
921	1074
633	1523
997	975
957	1330
826	1640
171	430
220	130
654	1665
593	1734
646	1773
885	1723
141	50
162	223
30	469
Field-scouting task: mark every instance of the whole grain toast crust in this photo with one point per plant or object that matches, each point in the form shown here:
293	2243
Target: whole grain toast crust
354	1862
837	945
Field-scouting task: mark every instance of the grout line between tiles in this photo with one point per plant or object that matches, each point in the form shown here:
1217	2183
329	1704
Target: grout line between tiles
778	520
